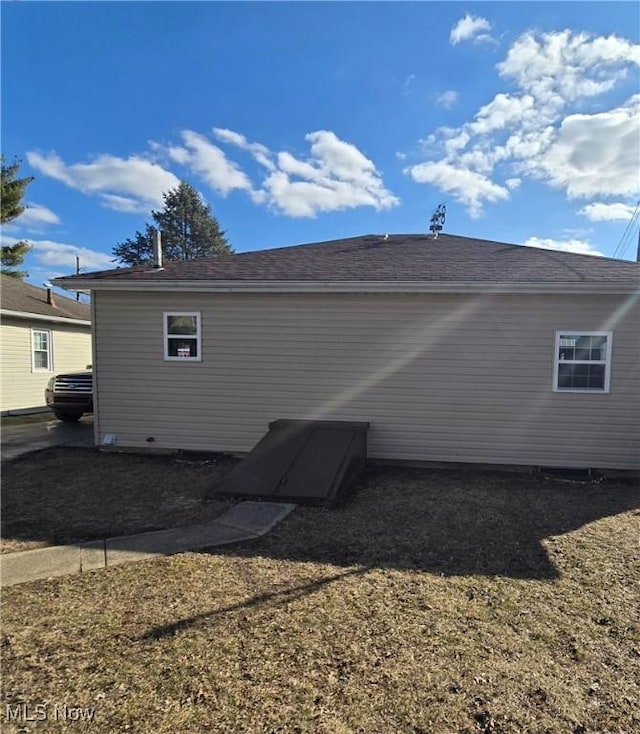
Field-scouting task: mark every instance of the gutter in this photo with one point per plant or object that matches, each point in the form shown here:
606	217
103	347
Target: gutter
42	317
400	287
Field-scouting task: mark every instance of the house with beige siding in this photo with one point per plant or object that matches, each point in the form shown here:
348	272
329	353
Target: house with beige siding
453	349
40	334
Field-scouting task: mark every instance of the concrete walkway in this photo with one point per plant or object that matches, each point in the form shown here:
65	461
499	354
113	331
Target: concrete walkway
244	521
24	438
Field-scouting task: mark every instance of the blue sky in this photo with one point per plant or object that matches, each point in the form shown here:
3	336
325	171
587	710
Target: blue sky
305	121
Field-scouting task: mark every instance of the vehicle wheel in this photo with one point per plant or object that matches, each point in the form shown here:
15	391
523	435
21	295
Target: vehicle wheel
67	417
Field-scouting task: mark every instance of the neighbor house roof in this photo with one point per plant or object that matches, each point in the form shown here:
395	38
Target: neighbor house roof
407	261
25	300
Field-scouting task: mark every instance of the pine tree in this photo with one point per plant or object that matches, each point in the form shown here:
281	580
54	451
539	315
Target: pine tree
12	256
12	207
189	231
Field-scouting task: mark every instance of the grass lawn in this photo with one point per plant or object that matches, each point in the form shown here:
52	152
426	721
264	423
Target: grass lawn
20	420
430	602
65	495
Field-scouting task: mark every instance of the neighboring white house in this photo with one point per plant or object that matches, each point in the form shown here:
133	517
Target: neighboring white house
453	349
40	334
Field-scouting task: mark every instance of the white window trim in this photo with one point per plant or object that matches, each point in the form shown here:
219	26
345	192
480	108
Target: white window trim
197	335
49	350
606	361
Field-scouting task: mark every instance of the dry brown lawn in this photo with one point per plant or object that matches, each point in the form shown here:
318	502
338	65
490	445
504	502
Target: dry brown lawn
66	495
430	602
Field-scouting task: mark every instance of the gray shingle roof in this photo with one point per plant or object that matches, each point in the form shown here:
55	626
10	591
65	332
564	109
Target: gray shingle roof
25	298
385	258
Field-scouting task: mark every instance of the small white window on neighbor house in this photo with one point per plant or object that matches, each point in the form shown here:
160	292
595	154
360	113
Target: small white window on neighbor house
41	350
582	361
182	339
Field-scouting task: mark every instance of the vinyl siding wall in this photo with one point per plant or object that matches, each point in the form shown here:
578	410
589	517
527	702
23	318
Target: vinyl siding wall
462	378
22	387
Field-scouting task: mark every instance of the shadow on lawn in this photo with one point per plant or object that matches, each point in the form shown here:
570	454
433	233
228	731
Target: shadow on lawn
442	522
273	598
446	522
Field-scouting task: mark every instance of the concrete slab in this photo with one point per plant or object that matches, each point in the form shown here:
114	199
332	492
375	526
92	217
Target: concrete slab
166	542
257	518
245	521
39	564
93	555
23	439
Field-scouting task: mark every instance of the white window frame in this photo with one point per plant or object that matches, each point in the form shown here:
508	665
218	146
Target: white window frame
197	336
606	361
49	367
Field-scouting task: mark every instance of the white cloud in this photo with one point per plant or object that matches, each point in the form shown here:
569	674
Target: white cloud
539	131
336	176
525	147
408	82
37	215
176	153
467	187
447	99
110	177
210	163
455	141
292	166
595	155
601	212
468	28
308	198
343	160
578	247
124	204
231	137
502	111
51	165
564	66
61	255
260	152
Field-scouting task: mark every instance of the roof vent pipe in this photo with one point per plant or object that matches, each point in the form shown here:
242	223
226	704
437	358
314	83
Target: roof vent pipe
157	249
50	300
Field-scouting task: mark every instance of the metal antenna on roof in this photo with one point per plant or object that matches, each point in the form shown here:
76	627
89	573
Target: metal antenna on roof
437	220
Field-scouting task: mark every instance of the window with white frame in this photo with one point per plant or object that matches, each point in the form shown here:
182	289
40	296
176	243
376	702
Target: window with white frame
582	361
41	350
182	340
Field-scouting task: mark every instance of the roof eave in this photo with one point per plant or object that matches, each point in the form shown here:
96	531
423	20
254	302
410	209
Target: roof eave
43	317
317	286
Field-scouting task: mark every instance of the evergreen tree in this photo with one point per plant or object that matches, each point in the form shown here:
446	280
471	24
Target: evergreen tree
11	207
12	256
189	231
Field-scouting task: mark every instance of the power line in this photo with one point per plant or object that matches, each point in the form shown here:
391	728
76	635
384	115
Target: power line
621	247
628	240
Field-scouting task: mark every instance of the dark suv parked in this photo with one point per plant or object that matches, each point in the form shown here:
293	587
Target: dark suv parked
70	396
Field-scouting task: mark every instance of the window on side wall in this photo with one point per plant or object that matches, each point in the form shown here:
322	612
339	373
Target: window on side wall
182	338
582	361
41	350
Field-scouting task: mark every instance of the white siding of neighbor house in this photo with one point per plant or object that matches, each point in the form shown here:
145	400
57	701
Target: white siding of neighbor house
22	386
461	378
